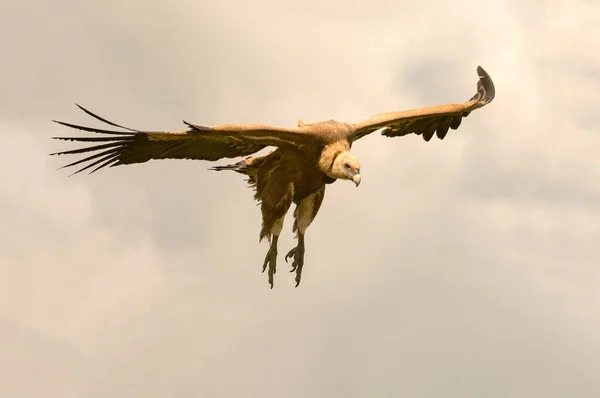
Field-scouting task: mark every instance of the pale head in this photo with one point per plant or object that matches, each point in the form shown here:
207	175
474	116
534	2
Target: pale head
345	167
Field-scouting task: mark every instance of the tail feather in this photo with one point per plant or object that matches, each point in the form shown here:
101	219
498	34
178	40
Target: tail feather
240	167
248	166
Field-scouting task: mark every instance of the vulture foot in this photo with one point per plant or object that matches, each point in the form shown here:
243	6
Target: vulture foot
271	259
298	254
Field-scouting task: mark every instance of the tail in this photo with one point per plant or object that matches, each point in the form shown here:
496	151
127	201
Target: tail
248	166
240	167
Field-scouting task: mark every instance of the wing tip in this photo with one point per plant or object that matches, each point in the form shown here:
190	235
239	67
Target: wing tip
485	87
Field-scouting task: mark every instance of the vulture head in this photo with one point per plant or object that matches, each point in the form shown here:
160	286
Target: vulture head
346	167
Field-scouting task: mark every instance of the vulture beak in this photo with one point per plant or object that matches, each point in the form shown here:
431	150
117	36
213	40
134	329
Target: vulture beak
356	177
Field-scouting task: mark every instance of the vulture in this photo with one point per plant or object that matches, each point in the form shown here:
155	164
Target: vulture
304	161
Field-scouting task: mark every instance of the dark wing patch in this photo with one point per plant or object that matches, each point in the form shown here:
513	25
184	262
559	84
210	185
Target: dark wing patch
198	142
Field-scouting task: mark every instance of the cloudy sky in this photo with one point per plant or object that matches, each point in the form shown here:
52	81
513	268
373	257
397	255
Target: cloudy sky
467	267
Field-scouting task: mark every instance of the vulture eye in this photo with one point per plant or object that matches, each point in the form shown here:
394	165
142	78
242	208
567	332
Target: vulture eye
347	166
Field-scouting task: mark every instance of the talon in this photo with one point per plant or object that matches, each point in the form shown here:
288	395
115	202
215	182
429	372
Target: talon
299	273
298	254
292	253
271	260
265	263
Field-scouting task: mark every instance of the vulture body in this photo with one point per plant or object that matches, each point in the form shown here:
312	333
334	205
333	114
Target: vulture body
305	160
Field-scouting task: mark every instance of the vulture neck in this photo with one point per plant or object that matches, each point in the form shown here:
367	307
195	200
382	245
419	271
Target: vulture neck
329	153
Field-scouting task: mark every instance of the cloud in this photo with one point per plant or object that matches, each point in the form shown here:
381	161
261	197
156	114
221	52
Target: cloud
472	268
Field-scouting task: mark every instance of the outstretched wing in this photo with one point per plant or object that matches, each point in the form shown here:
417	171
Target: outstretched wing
197	142
427	121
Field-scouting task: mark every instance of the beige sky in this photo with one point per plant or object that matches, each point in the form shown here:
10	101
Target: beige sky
467	267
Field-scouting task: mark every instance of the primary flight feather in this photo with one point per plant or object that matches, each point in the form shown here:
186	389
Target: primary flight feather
306	159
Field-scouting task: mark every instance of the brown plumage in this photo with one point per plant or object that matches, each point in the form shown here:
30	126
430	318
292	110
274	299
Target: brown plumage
305	160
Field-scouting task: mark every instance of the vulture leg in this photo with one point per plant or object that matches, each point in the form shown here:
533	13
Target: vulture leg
305	213
271	257
275	192
298	254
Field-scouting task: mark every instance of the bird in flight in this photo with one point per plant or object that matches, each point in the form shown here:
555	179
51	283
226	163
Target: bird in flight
305	160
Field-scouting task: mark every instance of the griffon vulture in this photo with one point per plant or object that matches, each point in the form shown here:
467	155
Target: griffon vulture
305	160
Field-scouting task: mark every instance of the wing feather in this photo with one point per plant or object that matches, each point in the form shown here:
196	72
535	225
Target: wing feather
197	142
427	121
